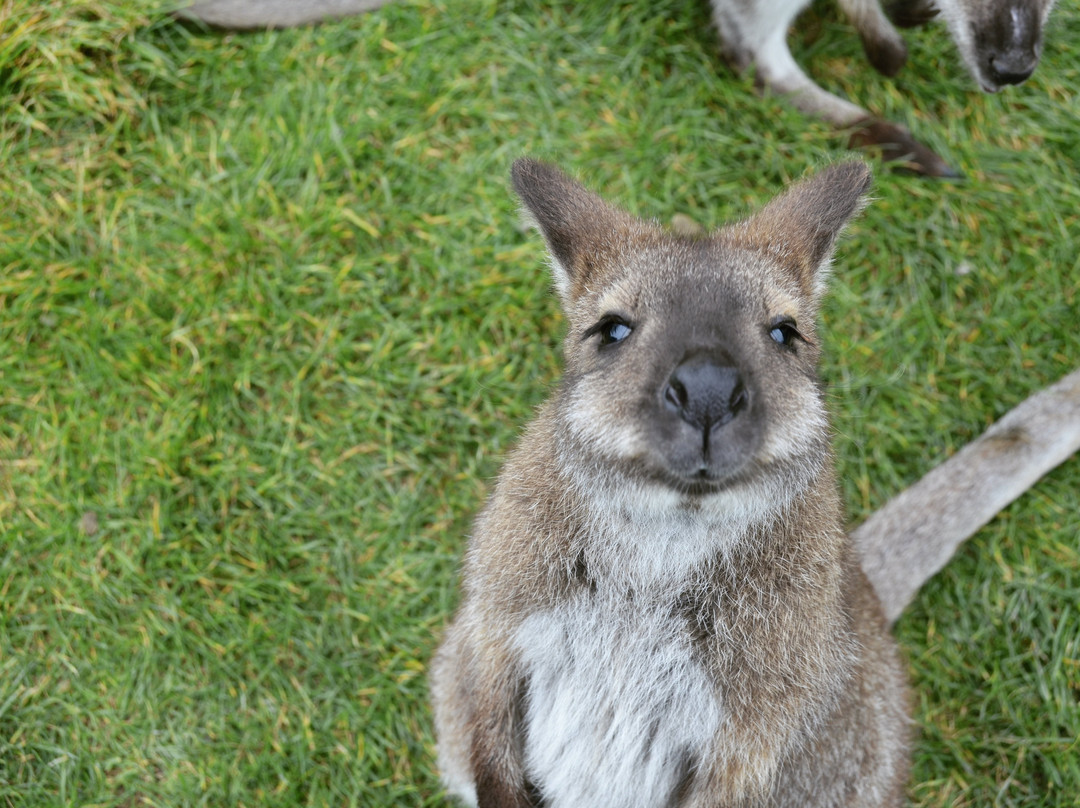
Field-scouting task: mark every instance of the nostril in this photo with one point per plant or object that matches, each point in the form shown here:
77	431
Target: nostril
739	399
675	395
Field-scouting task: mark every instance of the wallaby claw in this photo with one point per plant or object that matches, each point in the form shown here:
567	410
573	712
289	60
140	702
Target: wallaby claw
895	144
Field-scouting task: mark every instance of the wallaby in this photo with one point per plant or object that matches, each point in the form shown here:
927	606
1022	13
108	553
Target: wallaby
661	606
999	40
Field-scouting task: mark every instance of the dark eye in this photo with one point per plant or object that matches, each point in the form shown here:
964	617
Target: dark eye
611	330
784	332
614	332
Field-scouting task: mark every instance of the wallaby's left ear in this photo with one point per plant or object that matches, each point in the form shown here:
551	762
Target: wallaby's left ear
801	225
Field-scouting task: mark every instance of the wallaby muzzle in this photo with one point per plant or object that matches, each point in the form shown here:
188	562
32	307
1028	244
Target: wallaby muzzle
1009	45
709	430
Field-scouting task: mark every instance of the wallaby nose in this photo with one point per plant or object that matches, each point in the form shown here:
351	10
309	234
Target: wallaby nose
1011	67
705	392
1011	48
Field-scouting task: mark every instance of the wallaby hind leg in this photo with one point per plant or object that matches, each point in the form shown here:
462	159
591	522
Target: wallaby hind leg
450	711
751	38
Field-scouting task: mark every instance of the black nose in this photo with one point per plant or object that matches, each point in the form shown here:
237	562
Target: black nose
705	392
1009	43
1011	66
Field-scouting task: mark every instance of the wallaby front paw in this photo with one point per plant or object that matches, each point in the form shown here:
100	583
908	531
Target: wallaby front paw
896	145
911	13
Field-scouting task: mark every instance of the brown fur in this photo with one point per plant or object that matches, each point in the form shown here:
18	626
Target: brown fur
718	546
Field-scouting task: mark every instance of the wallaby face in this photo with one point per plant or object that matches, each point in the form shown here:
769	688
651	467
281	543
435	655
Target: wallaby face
689	362
660	605
685	390
999	40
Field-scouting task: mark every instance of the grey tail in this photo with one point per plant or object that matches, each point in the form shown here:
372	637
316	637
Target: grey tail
915	533
252	14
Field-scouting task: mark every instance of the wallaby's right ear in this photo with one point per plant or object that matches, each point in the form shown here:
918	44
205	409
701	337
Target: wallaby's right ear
576	223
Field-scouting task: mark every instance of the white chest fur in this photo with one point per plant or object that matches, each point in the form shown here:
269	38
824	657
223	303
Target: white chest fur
617	706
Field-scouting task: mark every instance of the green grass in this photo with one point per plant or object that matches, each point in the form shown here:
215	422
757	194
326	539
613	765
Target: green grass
268	324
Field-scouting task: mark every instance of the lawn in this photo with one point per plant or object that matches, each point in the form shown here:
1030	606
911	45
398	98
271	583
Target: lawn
268	322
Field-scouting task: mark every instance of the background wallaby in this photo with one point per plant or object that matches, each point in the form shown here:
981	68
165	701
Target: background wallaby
660	603
1000	41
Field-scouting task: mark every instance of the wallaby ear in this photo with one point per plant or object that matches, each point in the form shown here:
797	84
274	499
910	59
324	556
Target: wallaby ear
802	224
576	223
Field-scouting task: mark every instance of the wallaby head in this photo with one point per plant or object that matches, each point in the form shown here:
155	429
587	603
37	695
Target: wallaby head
690	362
999	40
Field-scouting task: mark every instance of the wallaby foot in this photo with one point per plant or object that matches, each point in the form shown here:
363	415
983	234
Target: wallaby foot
896	144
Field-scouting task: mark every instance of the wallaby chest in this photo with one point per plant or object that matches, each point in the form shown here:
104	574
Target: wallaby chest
618	708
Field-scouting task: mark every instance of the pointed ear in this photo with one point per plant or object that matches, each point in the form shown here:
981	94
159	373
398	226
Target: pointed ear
576	223
801	225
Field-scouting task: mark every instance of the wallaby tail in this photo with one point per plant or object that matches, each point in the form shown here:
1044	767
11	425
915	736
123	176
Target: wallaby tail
240	14
915	533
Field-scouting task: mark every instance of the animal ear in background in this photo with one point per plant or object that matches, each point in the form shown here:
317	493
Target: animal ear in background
800	227
577	224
